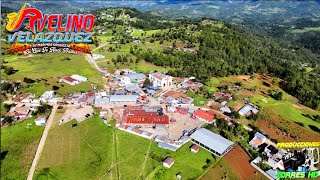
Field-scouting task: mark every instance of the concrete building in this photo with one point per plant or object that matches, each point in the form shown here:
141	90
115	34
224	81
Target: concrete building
79	78
160	80
69	80
97	56
212	142
248	110
168	162
125	99
257	140
195	148
47	96
41	120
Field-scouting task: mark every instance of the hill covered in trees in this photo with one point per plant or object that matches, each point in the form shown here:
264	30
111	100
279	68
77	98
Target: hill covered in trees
224	49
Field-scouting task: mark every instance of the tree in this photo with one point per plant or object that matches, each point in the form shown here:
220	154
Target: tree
131	50
7	87
174	45
8	119
9	70
54	87
28	80
8	106
147	83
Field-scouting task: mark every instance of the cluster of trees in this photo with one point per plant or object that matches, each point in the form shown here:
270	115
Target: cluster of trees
227	51
275	94
42	109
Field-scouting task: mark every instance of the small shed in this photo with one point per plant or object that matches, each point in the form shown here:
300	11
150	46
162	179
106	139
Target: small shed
168	162
41	120
194	148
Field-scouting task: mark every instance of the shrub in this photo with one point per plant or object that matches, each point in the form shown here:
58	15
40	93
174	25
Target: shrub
55	88
28	80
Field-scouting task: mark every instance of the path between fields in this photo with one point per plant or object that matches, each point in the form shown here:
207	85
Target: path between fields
145	160
42	143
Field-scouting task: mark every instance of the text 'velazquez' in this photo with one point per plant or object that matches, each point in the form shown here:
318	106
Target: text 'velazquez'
75	28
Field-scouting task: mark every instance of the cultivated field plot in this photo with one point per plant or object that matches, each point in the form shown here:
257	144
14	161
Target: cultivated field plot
238	160
18	146
219	171
81	152
235	165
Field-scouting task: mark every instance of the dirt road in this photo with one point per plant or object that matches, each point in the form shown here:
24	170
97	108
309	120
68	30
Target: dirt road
42	143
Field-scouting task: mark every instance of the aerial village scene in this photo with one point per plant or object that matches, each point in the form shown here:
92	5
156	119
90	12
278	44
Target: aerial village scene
106	115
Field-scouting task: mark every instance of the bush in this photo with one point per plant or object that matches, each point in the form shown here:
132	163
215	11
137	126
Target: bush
7	119
55	88
28	80
263	166
10	71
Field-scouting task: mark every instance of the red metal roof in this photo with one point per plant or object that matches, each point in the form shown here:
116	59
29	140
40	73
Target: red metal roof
195	147
143	117
70	79
169	161
204	115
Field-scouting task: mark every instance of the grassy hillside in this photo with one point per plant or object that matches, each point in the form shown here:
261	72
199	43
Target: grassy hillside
18	146
48	68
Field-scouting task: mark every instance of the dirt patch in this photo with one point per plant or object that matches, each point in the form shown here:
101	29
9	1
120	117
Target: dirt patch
298	106
284	131
273	131
244	93
238	160
237	105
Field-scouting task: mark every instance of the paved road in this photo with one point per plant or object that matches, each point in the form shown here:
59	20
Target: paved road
42	143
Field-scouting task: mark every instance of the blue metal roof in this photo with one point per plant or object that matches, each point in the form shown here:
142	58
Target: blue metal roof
259	135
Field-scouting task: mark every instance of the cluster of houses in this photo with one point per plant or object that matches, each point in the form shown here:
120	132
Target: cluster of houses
281	159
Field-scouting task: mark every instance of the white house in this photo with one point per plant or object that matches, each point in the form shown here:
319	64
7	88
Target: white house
97	56
248	110
79	78
161	80
47	95
168	162
41	120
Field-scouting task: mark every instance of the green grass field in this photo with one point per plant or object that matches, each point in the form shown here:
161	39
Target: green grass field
49	68
20	141
81	152
285	109
198	100
131	154
90	149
